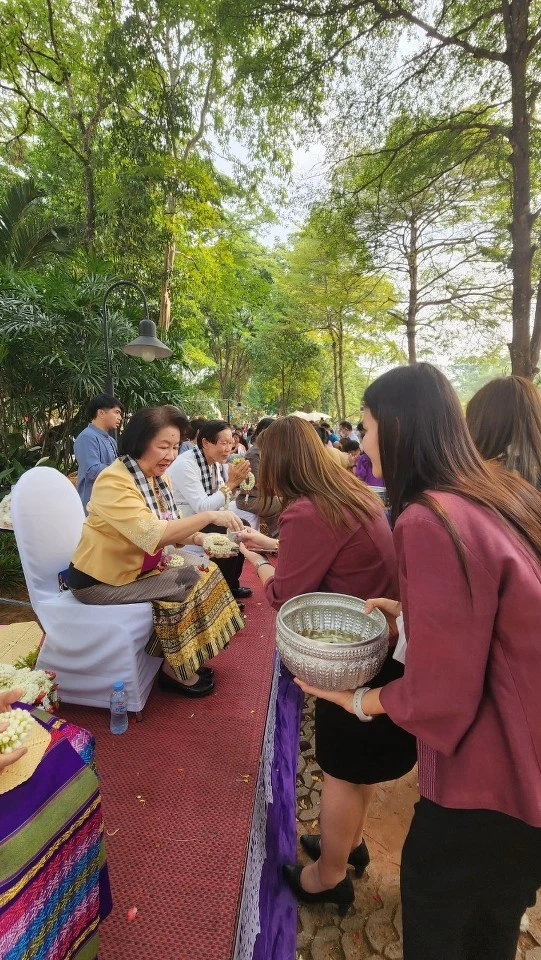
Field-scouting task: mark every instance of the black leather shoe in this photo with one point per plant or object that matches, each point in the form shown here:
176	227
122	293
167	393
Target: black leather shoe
342	894
205	672
358	858
241	593
202	688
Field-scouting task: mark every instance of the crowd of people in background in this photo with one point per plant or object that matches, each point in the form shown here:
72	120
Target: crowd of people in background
428	514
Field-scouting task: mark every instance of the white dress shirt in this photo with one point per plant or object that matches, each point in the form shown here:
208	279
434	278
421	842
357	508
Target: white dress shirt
189	492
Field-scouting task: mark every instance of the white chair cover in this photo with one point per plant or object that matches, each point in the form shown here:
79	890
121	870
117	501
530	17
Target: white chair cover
88	647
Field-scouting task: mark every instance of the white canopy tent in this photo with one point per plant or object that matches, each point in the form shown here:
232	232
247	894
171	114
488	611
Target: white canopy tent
301	414
314	416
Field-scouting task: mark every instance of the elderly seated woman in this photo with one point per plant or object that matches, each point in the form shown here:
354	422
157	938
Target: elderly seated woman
120	558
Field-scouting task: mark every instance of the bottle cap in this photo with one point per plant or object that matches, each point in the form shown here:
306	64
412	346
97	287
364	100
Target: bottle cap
118	685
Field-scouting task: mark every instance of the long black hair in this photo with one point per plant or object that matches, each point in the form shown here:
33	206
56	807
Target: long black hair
424	445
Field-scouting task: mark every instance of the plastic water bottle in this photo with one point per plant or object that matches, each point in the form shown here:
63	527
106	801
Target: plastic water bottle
119	708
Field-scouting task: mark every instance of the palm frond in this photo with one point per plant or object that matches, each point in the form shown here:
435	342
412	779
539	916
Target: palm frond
34	239
19	199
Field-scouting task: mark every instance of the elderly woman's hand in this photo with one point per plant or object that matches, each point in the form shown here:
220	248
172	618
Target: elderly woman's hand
227	519
7	697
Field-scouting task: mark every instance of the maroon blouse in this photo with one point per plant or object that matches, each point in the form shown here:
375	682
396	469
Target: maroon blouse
470	691
355	559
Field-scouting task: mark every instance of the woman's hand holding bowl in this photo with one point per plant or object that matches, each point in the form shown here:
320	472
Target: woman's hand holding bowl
343	698
391	609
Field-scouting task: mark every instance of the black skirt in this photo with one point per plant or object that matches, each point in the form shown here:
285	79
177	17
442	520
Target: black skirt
360	752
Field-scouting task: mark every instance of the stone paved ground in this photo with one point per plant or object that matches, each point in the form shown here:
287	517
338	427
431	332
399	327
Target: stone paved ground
373	930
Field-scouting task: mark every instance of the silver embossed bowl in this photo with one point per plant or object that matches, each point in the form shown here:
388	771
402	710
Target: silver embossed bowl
327	640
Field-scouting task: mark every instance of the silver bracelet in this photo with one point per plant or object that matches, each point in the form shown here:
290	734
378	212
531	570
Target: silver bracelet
263	563
357	709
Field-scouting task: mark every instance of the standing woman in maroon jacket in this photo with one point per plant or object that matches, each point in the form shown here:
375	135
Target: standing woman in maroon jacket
334	537
468	543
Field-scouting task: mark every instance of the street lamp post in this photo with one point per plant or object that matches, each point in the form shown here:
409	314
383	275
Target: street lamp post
146	345
227	400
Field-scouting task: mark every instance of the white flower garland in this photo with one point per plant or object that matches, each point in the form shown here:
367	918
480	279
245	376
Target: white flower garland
219	545
19	724
249	481
38	686
5	512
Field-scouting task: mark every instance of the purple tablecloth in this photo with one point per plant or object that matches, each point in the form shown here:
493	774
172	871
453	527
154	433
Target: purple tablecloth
267	925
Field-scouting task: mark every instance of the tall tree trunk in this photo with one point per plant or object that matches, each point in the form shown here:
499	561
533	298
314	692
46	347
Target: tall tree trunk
341	371
413	270
165	298
535	342
90	206
521	227
335	375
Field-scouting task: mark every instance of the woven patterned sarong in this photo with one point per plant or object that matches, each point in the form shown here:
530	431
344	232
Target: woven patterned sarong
189	633
54	888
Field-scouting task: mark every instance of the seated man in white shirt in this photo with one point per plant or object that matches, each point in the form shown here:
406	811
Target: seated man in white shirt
199	484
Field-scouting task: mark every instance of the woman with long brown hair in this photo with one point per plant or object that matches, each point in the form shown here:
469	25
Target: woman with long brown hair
334	537
468	542
249	505
504	419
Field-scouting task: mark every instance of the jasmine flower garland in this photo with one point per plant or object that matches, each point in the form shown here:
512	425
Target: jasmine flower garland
249	481
38	686
19	724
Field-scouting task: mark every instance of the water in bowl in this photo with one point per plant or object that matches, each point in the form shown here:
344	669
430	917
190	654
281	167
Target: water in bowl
335	637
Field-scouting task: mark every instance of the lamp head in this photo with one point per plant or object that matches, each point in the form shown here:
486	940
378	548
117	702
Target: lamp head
146	345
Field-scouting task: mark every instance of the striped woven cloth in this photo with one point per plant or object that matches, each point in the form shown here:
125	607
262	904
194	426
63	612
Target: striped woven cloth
54	886
193	631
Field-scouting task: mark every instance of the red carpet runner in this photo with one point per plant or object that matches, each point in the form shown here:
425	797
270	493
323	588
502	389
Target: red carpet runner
177	796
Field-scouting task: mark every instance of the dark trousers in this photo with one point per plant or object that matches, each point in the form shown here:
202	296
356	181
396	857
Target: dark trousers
231	567
467	876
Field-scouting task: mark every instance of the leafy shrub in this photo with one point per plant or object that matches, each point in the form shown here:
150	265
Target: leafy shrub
17	458
11	573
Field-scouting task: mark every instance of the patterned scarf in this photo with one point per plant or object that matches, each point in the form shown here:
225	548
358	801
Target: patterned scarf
147	490
211	475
